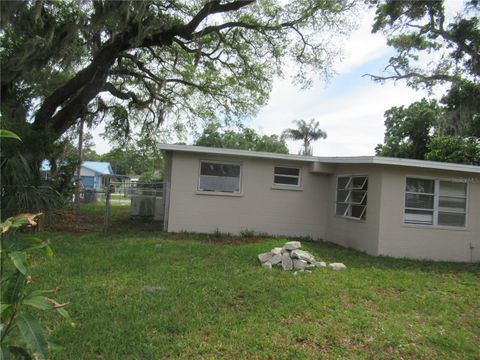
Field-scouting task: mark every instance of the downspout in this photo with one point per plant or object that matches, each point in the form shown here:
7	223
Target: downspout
472	247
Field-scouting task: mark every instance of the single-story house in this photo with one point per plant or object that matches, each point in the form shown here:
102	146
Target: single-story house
382	206
93	174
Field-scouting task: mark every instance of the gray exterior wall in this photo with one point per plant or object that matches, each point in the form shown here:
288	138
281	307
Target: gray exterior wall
259	207
425	241
310	211
357	234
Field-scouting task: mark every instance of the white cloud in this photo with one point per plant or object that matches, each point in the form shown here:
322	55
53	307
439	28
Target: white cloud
361	46
352	120
101	145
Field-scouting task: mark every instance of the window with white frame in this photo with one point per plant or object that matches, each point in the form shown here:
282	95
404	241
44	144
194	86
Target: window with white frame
284	175
219	177
352	196
435	202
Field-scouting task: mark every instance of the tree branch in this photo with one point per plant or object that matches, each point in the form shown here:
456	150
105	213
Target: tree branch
129	95
410	75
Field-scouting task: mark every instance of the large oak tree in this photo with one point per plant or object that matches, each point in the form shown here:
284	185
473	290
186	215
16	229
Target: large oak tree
132	64
144	60
433	48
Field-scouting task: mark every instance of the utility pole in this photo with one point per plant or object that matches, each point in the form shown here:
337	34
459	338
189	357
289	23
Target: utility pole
80	155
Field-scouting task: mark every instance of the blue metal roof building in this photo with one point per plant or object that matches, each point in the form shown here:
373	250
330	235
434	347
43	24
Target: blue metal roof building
102	168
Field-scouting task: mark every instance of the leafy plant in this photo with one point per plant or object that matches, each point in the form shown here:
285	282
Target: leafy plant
9	134
21	335
247	233
218	234
19	191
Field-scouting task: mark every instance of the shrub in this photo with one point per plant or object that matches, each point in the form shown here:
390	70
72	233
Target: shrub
21	334
247	233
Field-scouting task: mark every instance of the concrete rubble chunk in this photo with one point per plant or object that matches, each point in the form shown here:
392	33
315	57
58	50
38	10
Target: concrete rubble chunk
302	255
299	264
276	259
267	265
337	266
265	257
292	245
276	251
290	257
287	263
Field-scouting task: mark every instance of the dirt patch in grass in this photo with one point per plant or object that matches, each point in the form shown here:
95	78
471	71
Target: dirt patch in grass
219	240
90	219
72	221
79	222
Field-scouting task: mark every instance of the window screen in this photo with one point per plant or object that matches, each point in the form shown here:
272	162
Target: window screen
219	177
435	202
286	176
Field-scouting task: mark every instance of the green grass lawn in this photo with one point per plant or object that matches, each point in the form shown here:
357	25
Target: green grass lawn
213	300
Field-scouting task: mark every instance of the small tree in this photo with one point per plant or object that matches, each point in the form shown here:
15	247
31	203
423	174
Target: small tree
307	132
245	138
408	129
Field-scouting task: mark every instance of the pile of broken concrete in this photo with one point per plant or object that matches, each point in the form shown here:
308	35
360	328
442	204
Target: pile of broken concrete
290	257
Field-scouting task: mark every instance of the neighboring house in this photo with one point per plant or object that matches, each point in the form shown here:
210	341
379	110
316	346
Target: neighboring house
45	173
382	206
93	174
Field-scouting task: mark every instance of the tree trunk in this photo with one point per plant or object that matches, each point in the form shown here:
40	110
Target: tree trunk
80	155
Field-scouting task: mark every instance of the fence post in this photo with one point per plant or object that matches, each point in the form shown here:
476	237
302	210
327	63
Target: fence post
107	206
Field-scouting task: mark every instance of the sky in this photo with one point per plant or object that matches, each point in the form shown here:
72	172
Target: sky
349	107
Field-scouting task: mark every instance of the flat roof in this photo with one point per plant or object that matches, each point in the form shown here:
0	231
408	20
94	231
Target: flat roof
236	152
377	160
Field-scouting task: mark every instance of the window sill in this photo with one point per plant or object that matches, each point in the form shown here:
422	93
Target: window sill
350	218
435	227
286	187
218	193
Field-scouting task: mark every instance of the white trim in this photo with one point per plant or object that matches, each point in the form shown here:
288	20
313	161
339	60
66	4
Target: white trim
289	186
436	201
218	193
286	187
376	160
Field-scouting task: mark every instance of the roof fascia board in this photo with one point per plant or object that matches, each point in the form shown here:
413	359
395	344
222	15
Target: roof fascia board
235	152
377	160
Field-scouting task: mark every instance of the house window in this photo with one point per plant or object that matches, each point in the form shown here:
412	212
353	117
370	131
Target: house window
219	177
352	196
289	176
435	202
